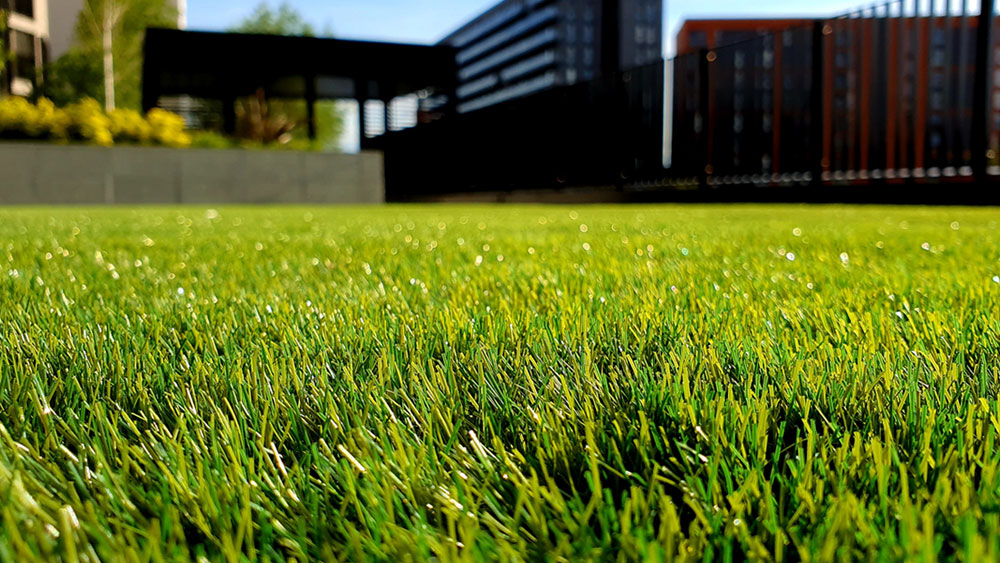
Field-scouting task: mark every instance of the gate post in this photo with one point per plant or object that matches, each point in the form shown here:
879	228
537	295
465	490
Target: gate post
981	87
705	57
816	106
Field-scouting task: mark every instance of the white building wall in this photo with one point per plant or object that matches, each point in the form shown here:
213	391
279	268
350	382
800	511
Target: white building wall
62	24
37	27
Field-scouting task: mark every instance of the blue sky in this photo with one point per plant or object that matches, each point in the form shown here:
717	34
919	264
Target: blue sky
426	21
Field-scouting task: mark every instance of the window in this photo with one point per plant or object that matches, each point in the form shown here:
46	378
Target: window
488	24
937	56
516	50
374	118
698	39
23	50
520	89
25	7
403	112
477	86
528	66
534	20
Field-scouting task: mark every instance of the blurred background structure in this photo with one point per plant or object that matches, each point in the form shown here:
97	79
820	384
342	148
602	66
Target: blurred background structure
896	93
24	40
533	95
64	16
518	48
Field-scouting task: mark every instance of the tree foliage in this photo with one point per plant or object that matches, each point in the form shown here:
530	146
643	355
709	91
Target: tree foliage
283	20
72	76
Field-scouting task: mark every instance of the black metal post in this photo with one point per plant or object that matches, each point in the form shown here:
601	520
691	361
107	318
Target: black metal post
386	115
705	58
980	91
229	115
311	106
150	86
611	22
816	94
361	93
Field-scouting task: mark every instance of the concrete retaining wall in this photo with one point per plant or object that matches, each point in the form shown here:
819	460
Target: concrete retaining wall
33	173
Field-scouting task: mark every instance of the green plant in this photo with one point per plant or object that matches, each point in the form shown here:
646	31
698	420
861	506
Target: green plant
167	128
74	76
257	123
130	126
211	140
20	119
86	121
108	41
514	383
89	123
285	20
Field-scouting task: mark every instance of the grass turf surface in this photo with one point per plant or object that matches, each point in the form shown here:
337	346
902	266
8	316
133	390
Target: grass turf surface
499	382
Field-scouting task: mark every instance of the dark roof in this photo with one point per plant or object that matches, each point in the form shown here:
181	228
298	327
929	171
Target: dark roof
216	65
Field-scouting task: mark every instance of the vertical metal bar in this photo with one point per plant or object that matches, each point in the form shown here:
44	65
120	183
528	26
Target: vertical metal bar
981	85
904	78
229	114
819	103
921	63
778	86
852	97
948	70
864	134
311	106
386	116
825	85
704	109
150	82
892	62
963	107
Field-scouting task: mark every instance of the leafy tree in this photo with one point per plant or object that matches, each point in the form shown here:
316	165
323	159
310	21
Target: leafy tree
109	37
285	20
73	76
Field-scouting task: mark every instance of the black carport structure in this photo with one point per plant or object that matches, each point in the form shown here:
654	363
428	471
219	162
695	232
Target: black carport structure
223	67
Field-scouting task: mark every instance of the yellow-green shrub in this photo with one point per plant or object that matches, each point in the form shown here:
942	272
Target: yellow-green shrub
87	121
90	123
129	126
51	121
20	119
168	128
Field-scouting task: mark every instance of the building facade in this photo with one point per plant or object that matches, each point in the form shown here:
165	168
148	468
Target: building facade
520	47
27	40
712	33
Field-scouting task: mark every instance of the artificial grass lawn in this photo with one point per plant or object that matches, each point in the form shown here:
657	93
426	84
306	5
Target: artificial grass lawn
499	382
